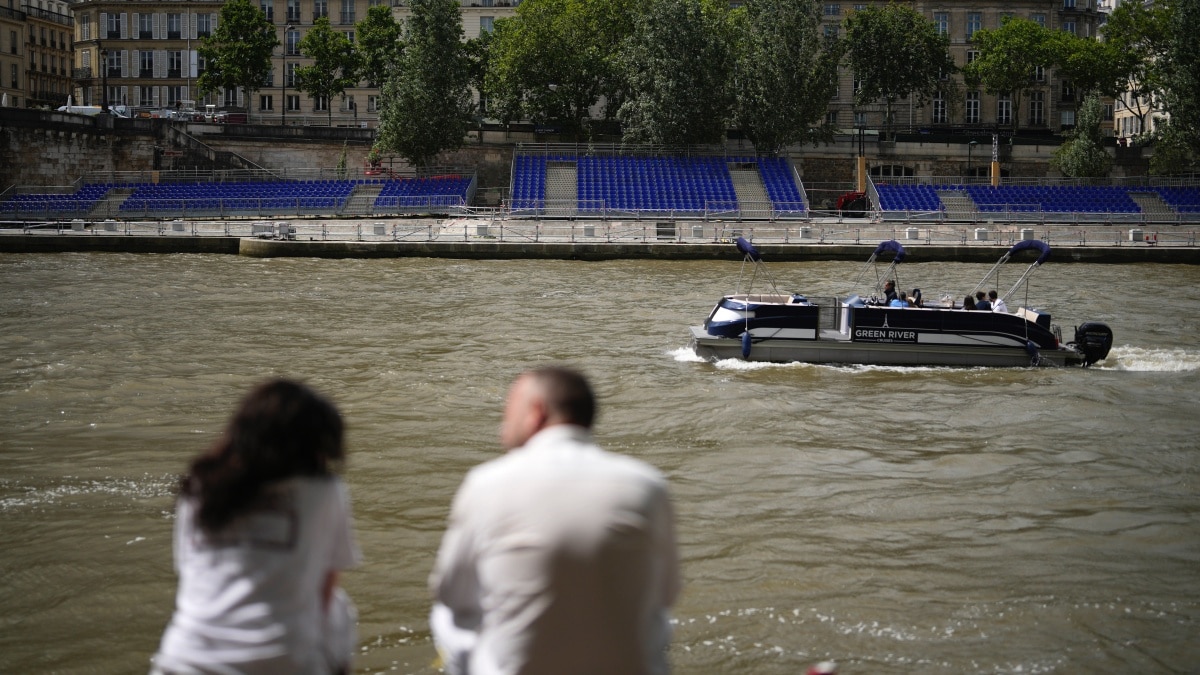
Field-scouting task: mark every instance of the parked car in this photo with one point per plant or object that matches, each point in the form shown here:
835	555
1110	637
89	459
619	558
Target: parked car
231	117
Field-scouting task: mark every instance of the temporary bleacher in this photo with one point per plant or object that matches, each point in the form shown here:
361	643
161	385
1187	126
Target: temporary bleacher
58	204
1182	199
914	197
436	193
650	184
1053	198
251	197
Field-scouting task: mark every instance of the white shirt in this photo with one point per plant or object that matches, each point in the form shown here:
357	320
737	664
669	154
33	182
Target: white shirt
559	558
249	599
999	306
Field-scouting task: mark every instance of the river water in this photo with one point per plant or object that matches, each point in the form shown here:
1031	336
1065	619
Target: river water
894	520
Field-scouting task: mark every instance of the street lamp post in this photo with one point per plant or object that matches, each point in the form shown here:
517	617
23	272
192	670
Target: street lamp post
283	78
970	147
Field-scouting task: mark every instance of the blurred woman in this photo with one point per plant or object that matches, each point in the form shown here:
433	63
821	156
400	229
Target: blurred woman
262	529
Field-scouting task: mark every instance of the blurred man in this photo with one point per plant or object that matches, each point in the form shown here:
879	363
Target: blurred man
559	557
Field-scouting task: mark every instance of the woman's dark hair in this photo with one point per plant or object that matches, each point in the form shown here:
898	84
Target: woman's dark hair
280	429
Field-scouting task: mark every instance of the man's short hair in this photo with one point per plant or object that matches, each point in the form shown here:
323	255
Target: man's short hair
567	394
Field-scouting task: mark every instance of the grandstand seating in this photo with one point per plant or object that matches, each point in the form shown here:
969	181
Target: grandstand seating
1053	198
653	184
1182	199
401	194
58	204
908	197
258	197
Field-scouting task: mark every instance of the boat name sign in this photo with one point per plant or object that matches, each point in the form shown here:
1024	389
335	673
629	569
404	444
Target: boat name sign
884	335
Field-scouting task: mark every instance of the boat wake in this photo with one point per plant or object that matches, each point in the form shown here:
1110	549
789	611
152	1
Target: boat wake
1140	359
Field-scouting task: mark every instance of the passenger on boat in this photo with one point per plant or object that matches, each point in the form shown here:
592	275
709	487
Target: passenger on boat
981	301
900	301
968	302
889	292
997	302
915	299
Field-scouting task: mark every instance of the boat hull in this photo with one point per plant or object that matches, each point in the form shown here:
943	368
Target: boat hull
848	352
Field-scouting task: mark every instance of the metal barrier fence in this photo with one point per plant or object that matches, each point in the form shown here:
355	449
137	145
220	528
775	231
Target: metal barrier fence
485	226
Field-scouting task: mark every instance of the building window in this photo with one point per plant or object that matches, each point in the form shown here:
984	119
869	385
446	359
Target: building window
1037	108
972	107
487	24
291	74
113	29
175	64
1068	4
145	26
293	102
292	39
85	27
1039	74
1004	110
831	30
1066	118
860	119
203	25
347	11
293	11
831	118
113	63
972	55
145	64
174	26
230	98
974	23
1108	112
349	36
942	21
320	9
268	8
174	95
12	42
266	102
145	95
939	108
1039	19
833	9
1068	27
372	103
1068	92
320	103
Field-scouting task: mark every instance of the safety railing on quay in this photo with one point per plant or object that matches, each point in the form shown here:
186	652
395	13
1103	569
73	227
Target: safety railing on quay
494	228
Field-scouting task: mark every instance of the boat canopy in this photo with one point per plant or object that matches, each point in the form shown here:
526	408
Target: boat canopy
890	245
889	274
1037	245
751	254
748	249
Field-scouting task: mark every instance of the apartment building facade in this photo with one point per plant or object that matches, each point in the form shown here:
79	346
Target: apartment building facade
1049	105
35	53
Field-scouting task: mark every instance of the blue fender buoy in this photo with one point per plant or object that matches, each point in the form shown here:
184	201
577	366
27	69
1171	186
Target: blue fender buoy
1034	355
746	342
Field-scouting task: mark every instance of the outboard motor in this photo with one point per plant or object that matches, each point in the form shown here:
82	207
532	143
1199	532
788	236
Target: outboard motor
1094	339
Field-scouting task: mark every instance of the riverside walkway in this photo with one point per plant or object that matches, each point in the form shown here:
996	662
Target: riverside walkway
493	237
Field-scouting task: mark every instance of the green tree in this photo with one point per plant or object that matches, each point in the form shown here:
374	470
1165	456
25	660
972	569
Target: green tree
896	53
378	44
785	73
1092	66
238	53
679	65
1008	57
556	59
426	105
334	65
1083	155
1181	71
1138	36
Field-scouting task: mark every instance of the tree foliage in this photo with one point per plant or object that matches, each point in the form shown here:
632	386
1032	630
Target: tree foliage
238	53
678	65
1083	155
1138	36
334	65
896	53
1092	66
1008	57
378	44
556	59
785	73
426	105
1181	72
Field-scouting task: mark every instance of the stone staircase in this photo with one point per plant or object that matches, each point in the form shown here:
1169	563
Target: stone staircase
562	189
